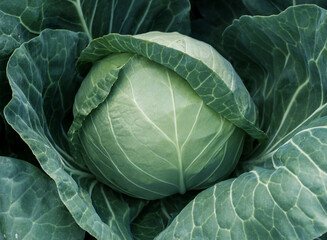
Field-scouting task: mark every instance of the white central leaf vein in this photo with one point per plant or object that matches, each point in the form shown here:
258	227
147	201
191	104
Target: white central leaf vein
146	116
128	12
215	209
125	154
178	149
287	111
233	207
308	119
143	17
93	15
80	13
112	13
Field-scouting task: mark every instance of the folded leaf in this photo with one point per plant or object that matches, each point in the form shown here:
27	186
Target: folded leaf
282	60
209	74
43	80
285	202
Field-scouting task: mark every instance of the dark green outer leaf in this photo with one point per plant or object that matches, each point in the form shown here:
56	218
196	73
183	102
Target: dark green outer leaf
30	205
270	7
282	60
223	91
12	34
215	17
45	84
99	17
285	202
22	20
157	215
33	70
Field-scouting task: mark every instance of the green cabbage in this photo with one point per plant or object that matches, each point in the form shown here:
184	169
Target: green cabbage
153	136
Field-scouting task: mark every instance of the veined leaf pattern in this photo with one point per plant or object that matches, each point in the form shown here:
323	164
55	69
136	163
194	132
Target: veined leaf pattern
283	194
99	17
284	202
22	184
288	55
96	208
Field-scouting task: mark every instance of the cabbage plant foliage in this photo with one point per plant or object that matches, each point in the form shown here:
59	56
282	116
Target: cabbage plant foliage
163	119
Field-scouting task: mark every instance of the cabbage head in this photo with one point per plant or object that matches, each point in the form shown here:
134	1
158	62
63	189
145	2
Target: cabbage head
154	125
